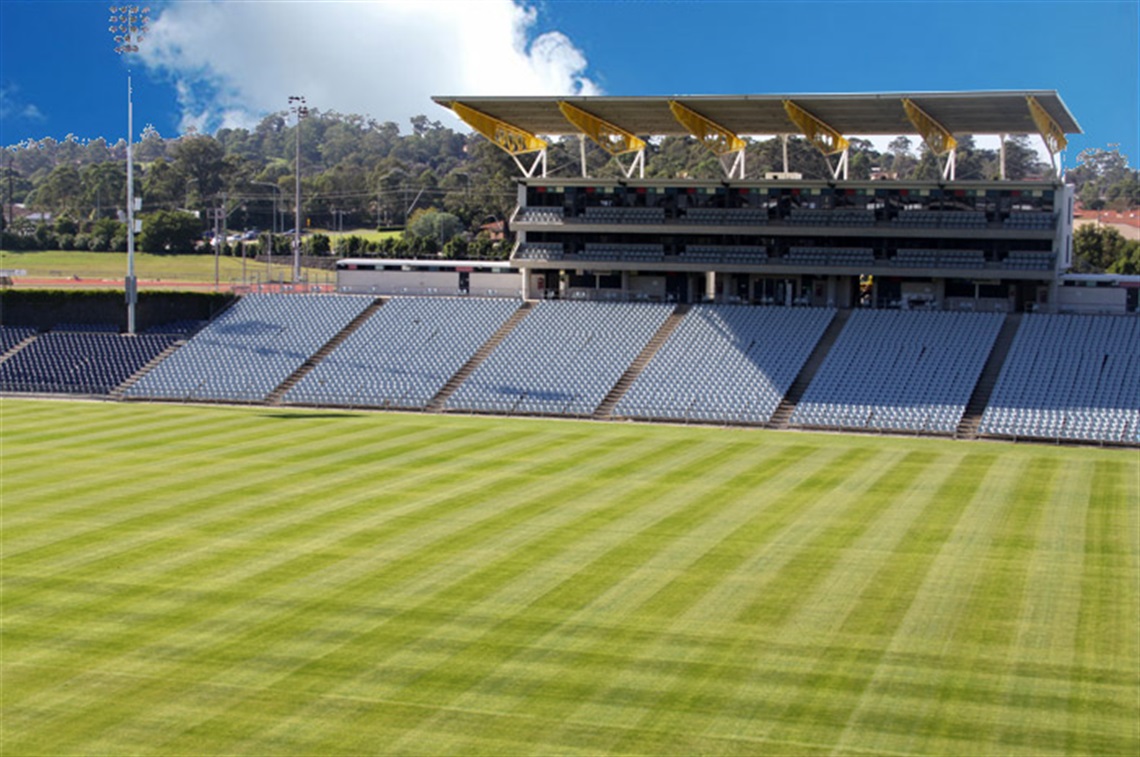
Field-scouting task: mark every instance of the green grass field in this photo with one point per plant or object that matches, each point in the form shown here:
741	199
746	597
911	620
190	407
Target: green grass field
211	580
112	266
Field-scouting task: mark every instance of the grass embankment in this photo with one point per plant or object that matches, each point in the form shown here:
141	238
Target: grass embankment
196	580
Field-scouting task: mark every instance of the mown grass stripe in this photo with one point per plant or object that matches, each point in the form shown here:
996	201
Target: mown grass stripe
837	679
679	463
222	654
785	591
394	629
569	646
1109	608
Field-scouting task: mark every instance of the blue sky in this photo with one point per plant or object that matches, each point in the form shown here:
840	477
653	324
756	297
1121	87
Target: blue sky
229	62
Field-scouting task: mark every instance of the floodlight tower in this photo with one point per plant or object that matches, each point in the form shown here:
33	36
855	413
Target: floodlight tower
297	105
129	25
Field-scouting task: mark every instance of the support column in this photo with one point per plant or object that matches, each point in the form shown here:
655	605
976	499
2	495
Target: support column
710	285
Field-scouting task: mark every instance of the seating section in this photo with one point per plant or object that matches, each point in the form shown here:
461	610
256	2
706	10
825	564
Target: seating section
726	216
1030	261
79	362
605	214
837	217
726	363
715	253
563	358
920	258
1030	221
900	370
10	336
1069	377
627	253
940	219
251	348
184	327
839	256
404	353
540	215
87	328
540	251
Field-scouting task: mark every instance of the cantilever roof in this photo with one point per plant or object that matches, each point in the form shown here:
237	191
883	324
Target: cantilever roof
1004	112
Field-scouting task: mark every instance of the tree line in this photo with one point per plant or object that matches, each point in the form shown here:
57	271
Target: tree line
438	185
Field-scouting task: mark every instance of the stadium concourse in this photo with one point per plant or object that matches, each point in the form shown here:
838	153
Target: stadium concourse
939	307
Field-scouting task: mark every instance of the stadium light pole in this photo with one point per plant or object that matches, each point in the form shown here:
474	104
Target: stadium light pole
297	105
129	25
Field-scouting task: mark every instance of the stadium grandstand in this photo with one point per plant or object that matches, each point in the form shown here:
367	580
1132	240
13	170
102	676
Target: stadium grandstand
915	307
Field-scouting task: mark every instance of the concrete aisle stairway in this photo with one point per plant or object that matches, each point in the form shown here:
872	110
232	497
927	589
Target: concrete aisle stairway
291	381
440	399
976	406
606	408
119	391
787	406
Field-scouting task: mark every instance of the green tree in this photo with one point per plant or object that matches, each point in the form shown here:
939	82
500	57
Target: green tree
164	187
107	234
1129	261
104	187
1097	249
200	158
168	231
435	225
61	191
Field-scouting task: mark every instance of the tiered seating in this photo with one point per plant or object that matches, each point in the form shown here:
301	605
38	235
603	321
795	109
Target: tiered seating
404	354
961	259
727	216
1069	377
540	215
906	371
844	256
626	253
944	219
837	217
251	348
183	327
715	253
603	214
72	362
563	358
726	363
10	336
808	217
540	251
1030	221
963	219
87	328
918	258
1029	260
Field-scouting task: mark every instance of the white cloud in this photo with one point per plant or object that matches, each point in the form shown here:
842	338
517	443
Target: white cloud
12	106
232	61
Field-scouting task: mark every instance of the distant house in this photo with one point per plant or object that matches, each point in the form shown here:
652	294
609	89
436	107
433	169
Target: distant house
495	231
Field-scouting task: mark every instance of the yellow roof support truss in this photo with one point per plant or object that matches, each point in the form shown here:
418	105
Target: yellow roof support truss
510	138
1053	135
826	139
719	140
938	138
610	137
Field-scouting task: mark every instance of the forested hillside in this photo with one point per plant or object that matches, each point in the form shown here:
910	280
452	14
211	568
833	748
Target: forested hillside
360	173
